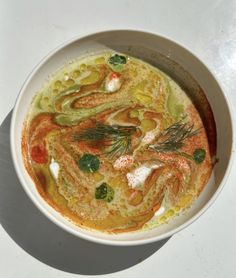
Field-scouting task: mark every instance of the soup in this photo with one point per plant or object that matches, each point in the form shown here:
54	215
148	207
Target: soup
115	145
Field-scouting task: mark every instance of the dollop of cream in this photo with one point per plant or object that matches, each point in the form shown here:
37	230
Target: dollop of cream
54	168
113	83
137	177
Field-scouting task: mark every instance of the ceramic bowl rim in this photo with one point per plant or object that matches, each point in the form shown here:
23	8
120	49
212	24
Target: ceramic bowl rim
39	204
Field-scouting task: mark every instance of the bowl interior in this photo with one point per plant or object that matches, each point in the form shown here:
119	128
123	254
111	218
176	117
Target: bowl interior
182	66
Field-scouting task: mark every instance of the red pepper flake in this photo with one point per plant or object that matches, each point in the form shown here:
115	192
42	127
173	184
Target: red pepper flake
39	154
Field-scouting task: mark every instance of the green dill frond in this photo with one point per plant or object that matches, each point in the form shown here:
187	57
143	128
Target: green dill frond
173	137
116	138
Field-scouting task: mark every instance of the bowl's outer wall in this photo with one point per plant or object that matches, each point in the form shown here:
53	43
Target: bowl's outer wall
149	47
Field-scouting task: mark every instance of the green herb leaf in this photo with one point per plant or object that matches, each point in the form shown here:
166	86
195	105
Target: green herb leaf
199	155
104	192
89	163
117	60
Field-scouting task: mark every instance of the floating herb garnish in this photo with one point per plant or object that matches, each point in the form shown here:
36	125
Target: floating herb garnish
173	137
116	138
89	163
117	59
199	155
104	192
117	62
172	140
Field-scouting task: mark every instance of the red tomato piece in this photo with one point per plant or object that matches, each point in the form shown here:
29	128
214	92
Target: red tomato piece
39	154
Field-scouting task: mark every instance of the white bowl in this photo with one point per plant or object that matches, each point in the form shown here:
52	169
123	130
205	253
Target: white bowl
156	50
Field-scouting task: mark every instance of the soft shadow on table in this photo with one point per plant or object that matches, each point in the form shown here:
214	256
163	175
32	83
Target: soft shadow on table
38	236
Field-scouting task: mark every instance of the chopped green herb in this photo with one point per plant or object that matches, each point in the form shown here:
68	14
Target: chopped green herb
104	192
199	155
117	60
89	163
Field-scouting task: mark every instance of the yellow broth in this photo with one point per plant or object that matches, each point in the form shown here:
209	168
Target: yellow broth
115	145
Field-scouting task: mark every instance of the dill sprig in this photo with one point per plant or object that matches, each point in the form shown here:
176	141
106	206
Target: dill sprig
116	138
173	137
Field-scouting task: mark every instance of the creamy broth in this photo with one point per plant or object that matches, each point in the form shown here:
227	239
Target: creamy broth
115	144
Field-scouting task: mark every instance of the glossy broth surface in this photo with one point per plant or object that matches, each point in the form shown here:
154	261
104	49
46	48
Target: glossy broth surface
115	145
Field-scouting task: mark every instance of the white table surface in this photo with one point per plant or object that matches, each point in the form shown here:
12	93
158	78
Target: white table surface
30	245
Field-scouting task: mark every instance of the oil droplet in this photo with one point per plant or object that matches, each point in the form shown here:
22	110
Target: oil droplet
70	82
75	74
177	209
99	60
170	213
58	84
134	114
163	219
148	124
83	67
